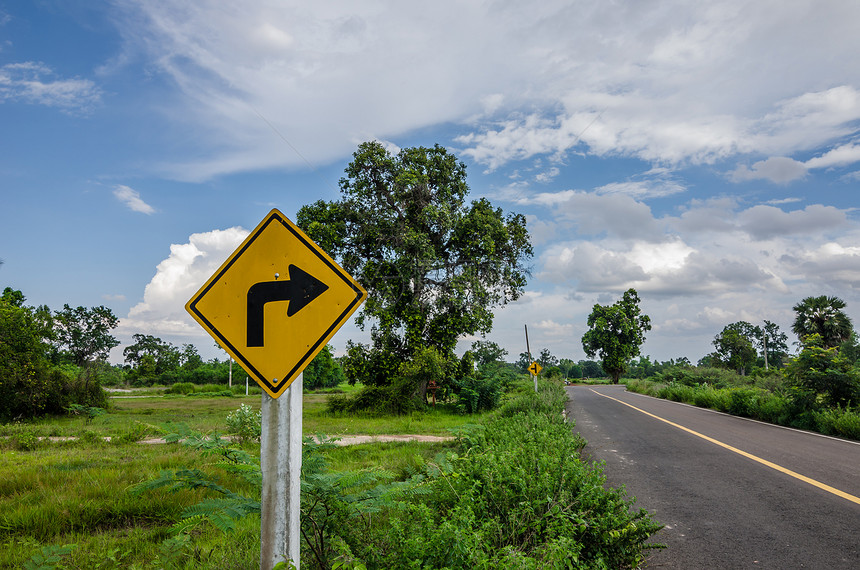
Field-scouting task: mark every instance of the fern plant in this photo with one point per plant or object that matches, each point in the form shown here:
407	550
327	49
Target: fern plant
225	506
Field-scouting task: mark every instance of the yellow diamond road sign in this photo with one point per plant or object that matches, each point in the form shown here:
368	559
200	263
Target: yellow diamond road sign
276	302
535	368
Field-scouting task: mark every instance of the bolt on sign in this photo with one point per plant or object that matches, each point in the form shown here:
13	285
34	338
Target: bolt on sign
276	302
535	368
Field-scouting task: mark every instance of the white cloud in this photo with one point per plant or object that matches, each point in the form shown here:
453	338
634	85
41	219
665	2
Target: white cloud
839	156
778	169
177	278
548	175
131	198
35	83
668	82
764	222
113	297
617	215
652	188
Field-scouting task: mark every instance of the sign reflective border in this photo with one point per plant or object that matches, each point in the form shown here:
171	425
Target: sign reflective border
535	368
276	302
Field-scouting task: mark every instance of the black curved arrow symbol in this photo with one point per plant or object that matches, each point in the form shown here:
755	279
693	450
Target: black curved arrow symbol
300	290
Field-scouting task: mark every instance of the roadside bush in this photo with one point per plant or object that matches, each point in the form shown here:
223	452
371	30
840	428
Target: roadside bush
23	438
181	388
517	497
396	398
708	397
245	423
477	394
677	393
842	422
699	375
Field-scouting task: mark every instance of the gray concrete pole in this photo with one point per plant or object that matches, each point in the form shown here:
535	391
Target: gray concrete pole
281	465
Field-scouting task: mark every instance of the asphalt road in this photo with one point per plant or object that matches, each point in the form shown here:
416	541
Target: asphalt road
792	502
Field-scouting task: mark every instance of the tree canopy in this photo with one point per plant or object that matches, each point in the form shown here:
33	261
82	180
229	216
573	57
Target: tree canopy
615	333
85	333
822	316
433	264
734	349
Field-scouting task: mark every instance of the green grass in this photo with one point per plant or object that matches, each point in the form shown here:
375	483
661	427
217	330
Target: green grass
78	492
400	458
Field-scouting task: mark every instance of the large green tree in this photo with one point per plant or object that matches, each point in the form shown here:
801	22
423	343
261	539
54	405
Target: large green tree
774	345
615	333
823	316
823	376
434	264
84	334
734	349
488	352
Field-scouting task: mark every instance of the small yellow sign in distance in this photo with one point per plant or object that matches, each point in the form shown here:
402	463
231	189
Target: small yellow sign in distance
276	302
535	368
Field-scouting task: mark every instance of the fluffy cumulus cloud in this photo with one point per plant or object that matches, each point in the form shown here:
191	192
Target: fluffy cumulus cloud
591	213
177	278
778	169
752	92
714	262
666	81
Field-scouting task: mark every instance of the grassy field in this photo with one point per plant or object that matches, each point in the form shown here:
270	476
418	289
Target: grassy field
79	491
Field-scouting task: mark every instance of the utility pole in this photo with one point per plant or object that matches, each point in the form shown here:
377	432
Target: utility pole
529	351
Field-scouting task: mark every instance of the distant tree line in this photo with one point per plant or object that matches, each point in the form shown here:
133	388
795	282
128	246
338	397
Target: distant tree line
50	361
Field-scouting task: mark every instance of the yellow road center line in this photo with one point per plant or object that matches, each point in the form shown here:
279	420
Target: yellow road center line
765	462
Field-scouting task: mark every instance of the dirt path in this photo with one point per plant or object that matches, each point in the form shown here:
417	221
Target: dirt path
342	441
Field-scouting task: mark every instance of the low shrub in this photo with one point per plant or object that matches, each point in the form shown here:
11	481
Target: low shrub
513	494
245	423
24	439
700	375
181	388
397	398
677	393
518	496
842	422
708	397
477	394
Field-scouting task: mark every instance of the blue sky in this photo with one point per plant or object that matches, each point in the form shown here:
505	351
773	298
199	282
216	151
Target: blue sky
706	154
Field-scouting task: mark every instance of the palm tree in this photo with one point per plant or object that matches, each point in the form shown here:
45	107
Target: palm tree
823	316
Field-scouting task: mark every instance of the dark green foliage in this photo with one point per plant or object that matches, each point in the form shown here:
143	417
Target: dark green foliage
591	369
433	264
222	506
734	349
323	371
615	333
772	399
825	374
822	316
84	334
181	388
700	375
477	394
48	557
517	496
395	398
487	352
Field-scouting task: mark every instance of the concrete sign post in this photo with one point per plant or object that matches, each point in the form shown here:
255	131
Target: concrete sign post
281	465
273	306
